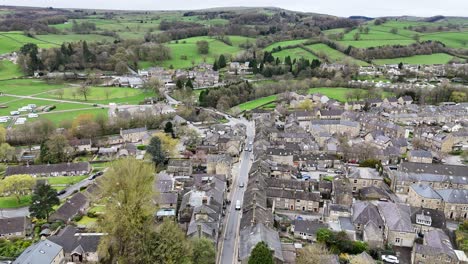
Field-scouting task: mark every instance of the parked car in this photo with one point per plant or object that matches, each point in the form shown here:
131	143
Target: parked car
241	185
390	259
238	205
61	192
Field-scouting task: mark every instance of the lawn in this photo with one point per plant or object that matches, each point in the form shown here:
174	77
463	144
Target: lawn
87	221
11	202
59	39
57	118
184	54
14	103
338	93
9	70
98	95
14	40
238	40
285	44
257	102
27	86
437	58
63	180
295	53
333	55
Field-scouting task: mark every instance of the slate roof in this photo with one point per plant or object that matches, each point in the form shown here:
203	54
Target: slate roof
364	173
436	242
252	235
72	240
308	227
365	212
433	168
459	196
168	198
41	252
47	168
420	154
13	225
437	216
425	191
397	217
133	130
290	194
71	207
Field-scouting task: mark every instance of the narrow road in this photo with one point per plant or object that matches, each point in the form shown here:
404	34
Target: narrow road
53	100
230	242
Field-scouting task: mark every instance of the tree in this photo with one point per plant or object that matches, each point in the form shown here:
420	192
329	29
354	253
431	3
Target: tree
312	254
84	91
84	126
261	254
59	93
179	84
306	104
54	150
458	96
168	144
357	36
153	84
417	37
190	136
17	185
6	152
154	148
42	202
203	251
168	245
126	190
215	66
222	61
189	84
168	128
121	68
203	47
3	134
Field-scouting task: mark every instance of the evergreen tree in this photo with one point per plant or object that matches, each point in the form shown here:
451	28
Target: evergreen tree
168	128
155	150
189	84
221	61
261	254
87	54
278	62
42	201
215	66
179	84
31	50
287	61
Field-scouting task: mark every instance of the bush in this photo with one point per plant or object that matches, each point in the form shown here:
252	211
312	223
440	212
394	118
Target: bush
77	218
141	147
91	214
83	188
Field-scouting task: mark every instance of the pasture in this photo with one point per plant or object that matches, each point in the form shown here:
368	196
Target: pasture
257	103
323	50
285	43
295	53
9	70
437	58
339	93
102	95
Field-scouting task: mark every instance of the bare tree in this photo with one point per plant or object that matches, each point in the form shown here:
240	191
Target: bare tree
84	91
59	93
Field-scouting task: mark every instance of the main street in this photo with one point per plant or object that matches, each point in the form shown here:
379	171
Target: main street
230	236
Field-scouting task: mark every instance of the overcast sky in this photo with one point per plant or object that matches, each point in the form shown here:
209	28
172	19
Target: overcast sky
332	7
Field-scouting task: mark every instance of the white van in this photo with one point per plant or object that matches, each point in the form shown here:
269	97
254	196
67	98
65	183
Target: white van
13	113
238	205
32	115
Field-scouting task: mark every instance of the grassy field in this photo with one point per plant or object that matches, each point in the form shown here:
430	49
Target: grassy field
437	58
13	103
27	86
285	44
12	202
103	95
338	93
59	39
375	43
9	70
334	55
14	40
451	39
295	53
68	180
188	48
257	102
57	118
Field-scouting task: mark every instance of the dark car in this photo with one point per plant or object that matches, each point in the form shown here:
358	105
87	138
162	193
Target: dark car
61	192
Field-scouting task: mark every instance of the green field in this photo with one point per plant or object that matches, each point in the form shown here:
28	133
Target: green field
59	180
59	39
99	95
9	70
451	39
375	43
338	93
14	40
188	48
333	55
437	58
27	86
13	103
12	202
295	53
285	44
257	102
57	118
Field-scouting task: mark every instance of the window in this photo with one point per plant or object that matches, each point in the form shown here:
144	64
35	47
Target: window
397	240
355	181
298	201
354	188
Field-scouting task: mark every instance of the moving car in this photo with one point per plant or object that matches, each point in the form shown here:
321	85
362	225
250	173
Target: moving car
241	185
390	259
238	205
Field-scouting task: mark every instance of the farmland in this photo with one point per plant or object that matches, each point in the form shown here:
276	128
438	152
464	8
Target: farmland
285	44
9	70
295	53
257	102
438	58
333	55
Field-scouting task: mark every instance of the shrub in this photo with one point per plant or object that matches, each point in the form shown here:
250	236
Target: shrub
91	214
77	218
